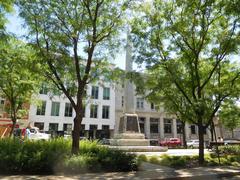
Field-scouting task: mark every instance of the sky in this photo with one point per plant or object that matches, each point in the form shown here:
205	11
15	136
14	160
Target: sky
15	25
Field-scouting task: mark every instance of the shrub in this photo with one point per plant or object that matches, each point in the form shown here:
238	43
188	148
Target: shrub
81	163
175	161
154	159
235	164
118	161
31	156
233	149
142	157
55	155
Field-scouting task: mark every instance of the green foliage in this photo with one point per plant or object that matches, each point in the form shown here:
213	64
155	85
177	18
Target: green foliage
229	150
191	161
81	163
230	116
55	156
5	7
18	80
74	40
142	157
187	46
32	156
176	161
154	159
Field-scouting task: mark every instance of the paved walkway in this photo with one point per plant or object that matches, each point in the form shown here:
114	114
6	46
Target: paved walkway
147	171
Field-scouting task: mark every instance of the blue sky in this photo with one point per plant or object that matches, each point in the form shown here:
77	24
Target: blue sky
15	25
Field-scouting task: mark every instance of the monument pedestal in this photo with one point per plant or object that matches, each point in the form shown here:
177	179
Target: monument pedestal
129	132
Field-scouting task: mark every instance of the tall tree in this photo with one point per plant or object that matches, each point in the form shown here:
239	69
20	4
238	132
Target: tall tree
72	36
191	43
5	7
18	81
229	116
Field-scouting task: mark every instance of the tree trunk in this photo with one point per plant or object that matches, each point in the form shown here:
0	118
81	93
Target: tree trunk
212	132
184	135
14	121
232	133
215	135
201	143
76	134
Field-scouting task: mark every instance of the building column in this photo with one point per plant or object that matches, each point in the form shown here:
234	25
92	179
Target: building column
147	127
161	122
187	131
60	127
174	127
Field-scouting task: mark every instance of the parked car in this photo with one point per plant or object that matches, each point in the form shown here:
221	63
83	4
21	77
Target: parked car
231	141
172	142
104	141
35	134
194	143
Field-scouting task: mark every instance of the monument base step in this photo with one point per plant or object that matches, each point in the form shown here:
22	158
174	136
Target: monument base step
129	136
140	148
129	142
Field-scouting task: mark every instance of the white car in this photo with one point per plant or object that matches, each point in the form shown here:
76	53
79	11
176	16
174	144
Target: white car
194	143
35	134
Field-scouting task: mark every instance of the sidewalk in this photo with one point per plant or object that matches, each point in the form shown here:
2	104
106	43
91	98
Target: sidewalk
147	171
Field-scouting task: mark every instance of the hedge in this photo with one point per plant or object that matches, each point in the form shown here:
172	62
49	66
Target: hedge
54	156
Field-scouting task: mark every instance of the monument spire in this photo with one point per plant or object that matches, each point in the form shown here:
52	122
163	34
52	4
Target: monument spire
128	86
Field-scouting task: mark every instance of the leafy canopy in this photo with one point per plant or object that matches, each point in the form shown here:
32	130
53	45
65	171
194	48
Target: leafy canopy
18	81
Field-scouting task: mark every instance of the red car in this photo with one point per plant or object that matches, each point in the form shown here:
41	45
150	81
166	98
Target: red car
172	142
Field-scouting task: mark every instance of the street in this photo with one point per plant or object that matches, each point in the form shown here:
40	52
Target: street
175	152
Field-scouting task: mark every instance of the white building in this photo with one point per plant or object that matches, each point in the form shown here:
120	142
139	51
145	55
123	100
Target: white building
154	122
56	114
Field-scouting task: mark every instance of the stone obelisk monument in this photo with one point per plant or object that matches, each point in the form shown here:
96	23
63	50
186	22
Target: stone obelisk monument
128	132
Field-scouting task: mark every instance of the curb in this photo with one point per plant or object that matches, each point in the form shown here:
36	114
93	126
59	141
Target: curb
204	176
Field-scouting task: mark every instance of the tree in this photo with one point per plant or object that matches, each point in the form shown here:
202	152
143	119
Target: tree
18	81
64	30
229	116
6	7
190	42
157	88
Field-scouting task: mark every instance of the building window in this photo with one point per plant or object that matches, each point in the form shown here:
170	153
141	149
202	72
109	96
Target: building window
193	129
39	125
67	127
94	92
41	108
93	111
2	102
55	108
140	103
53	126
122	101
105	112
44	89
168	126
152	106
68	110
154	125
106	93
179	126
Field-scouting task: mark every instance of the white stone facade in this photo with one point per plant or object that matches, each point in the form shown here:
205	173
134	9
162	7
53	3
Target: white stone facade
98	122
154	122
